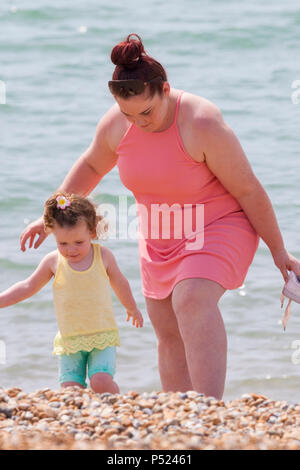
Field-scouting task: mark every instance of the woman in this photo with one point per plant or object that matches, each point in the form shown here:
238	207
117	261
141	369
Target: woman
177	155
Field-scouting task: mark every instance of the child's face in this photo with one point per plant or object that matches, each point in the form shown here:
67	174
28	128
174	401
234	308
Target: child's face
74	242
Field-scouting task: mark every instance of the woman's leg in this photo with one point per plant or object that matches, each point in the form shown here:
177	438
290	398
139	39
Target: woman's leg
203	333
172	363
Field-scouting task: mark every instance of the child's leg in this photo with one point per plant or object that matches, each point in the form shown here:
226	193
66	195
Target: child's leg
101	382
72	384
72	369
101	369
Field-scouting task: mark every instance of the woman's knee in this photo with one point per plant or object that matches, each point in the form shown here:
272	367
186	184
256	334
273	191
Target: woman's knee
193	296
163	320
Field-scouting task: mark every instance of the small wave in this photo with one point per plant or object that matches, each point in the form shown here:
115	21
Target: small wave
7	264
37	14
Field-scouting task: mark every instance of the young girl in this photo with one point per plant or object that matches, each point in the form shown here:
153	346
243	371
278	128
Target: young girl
82	271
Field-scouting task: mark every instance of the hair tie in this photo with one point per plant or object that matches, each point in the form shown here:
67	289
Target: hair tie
62	202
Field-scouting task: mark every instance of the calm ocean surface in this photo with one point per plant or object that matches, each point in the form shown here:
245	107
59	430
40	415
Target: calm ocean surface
55	63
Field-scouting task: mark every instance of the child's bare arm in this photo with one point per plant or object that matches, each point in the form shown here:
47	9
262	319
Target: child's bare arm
121	286
24	289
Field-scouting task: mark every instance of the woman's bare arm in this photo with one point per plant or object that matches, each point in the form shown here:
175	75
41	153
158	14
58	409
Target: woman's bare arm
95	162
228	162
226	159
99	158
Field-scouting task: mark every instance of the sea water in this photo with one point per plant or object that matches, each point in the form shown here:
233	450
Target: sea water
54	68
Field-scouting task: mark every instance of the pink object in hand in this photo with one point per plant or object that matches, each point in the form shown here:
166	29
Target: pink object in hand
291	290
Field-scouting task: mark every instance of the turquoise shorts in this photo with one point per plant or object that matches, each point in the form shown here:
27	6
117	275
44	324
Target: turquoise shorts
73	367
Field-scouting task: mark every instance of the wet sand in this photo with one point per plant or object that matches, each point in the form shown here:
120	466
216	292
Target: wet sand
74	418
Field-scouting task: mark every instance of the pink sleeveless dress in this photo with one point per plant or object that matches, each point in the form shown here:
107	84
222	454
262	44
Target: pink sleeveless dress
189	224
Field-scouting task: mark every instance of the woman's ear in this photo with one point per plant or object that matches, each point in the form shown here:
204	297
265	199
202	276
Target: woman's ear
166	89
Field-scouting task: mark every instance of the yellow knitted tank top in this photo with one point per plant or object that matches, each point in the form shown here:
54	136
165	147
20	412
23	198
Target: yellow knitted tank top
83	307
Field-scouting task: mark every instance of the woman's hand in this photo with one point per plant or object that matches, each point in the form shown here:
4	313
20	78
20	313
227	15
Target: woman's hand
33	229
137	317
286	262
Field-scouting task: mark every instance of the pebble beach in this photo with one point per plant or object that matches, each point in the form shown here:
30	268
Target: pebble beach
74	418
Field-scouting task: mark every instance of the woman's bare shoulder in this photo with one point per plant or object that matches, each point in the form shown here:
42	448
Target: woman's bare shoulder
196	116
199	108
113	125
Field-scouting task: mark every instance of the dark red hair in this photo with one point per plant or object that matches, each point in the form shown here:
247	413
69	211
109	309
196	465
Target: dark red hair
132	62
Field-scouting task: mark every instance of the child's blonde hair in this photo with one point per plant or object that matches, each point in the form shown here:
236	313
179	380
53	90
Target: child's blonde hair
75	209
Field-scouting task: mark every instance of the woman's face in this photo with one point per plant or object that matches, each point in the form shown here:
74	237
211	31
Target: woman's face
149	113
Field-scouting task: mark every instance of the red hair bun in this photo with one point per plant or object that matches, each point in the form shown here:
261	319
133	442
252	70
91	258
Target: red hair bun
127	53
